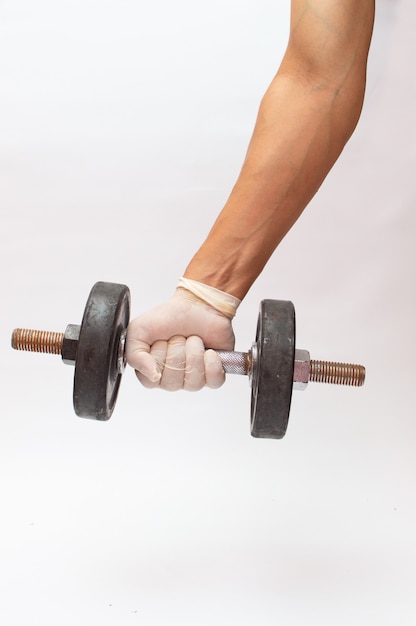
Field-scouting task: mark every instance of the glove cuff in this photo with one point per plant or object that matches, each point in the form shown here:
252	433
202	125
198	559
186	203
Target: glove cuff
223	302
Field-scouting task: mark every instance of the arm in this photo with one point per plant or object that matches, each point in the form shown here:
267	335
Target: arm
305	119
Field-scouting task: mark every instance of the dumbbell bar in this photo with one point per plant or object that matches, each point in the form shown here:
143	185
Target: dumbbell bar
275	367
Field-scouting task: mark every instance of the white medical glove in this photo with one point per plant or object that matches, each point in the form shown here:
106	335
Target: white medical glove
167	345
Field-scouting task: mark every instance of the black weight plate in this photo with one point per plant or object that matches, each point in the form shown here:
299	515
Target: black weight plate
272	377
97	375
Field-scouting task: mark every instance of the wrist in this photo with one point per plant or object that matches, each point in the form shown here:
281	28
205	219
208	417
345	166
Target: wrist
223	302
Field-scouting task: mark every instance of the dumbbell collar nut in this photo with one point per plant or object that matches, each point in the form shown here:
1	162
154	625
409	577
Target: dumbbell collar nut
70	344
70	347
301	370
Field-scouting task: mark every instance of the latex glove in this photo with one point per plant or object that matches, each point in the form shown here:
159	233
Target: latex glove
166	346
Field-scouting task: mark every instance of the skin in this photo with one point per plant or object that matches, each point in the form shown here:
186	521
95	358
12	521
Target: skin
306	117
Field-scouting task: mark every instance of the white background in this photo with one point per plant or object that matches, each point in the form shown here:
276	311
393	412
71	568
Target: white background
122	128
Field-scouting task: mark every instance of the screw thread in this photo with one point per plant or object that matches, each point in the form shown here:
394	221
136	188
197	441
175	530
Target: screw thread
337	373
37	341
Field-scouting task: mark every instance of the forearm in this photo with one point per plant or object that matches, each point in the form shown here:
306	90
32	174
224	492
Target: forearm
291	152
304	121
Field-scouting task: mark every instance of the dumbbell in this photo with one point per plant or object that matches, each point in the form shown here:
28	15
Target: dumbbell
274	366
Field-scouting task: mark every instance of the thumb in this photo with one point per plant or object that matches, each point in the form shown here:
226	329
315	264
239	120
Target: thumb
138	357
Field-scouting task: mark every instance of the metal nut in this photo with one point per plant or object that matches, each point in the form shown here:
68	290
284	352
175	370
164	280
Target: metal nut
302	369
70	344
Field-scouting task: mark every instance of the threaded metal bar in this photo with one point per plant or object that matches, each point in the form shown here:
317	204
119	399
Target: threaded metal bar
337	373
37	341
233	362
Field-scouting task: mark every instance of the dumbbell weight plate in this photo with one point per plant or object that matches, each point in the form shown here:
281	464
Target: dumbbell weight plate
97	373
273	364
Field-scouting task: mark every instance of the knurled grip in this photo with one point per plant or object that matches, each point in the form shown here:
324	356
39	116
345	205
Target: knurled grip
235	362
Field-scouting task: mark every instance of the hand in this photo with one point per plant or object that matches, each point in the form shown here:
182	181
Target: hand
167	346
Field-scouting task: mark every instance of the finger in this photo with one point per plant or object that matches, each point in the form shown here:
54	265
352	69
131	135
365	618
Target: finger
146	366
174	371
138	357
214	371
157	354
194	378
